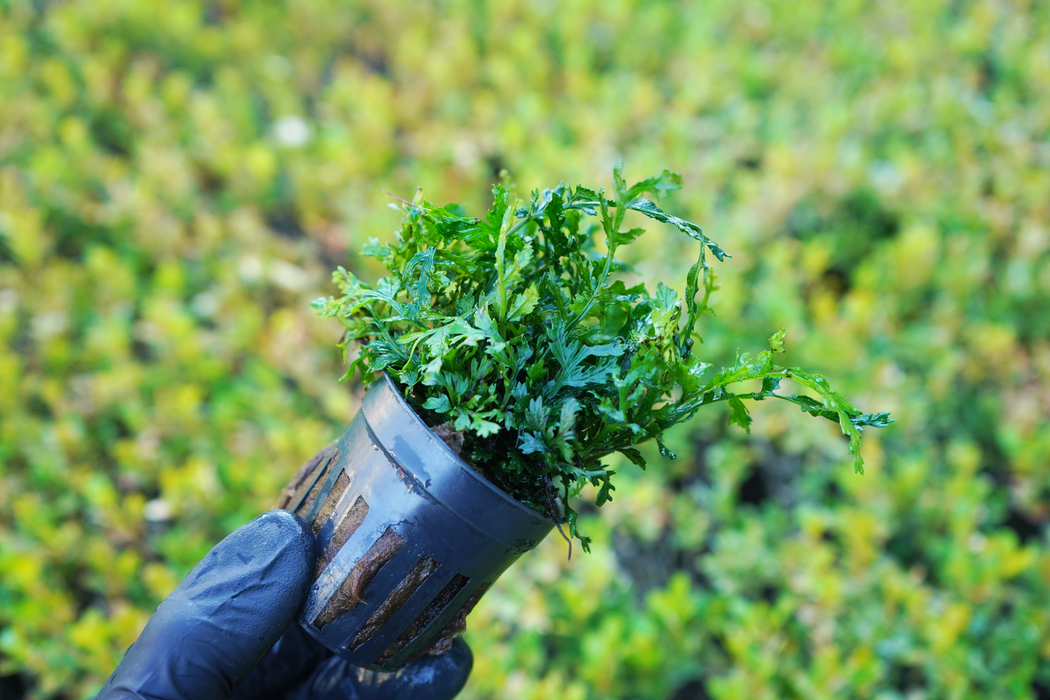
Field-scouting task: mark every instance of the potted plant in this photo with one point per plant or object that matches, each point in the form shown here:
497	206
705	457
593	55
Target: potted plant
506	361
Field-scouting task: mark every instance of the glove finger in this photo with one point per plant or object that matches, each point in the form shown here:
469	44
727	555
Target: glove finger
427	678
292	659
213	629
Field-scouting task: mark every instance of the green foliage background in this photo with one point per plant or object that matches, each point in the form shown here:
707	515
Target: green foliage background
880	172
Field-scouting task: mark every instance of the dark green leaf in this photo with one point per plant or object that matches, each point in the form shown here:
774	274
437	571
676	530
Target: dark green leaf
634	455
604	491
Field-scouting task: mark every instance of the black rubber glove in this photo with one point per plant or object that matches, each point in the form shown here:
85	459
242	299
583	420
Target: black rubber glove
211	639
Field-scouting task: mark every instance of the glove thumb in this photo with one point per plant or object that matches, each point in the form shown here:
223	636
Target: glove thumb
213	629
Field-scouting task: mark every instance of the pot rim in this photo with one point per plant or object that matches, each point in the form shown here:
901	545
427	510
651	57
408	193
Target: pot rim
447	453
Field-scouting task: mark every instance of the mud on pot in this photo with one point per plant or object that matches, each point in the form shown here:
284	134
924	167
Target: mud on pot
409	536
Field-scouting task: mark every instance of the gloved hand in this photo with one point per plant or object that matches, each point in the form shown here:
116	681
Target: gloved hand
211	639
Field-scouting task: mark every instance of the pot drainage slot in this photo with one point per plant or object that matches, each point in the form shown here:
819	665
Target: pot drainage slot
309	482
396	600
346	527
458	624
348	595
429	614
338	489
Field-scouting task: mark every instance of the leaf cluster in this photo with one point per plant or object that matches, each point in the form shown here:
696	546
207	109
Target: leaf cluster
516	331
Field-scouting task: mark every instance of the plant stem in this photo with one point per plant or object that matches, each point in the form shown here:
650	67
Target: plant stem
505	232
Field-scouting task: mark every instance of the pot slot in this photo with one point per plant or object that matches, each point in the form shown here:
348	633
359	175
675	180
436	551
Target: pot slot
296	490
313	486
348	595
396	600
346	527
338	489
458	624
429	614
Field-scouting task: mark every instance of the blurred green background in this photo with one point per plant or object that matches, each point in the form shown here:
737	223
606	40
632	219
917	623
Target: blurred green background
178	178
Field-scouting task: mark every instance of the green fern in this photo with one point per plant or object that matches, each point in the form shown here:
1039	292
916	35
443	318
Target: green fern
515	332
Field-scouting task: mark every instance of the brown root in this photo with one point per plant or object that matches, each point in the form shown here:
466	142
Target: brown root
451	437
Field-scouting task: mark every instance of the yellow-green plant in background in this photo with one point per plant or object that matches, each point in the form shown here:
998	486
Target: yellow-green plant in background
177	178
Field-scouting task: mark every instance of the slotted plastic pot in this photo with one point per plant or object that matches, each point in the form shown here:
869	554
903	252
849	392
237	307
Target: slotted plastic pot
409	536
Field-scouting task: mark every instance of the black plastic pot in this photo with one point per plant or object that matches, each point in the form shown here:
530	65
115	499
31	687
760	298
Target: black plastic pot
409	536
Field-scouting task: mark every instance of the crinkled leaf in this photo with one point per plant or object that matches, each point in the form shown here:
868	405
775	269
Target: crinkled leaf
530	443
438	403
739	413
687	227
604	490
523	304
